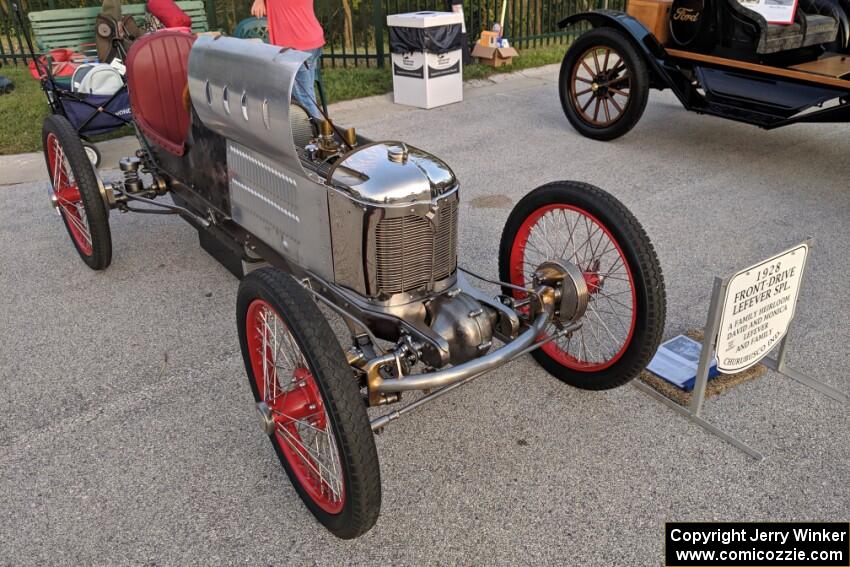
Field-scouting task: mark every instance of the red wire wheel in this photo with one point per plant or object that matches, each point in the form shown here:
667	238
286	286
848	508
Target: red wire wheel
582	240
75	192
310	402
624	319
301	422
68	198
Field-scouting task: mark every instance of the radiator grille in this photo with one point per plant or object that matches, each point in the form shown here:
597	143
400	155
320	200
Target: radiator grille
409	251
445	241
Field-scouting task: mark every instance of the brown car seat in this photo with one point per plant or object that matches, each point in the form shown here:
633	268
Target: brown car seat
157	75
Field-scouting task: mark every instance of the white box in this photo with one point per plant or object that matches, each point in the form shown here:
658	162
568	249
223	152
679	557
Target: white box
424	19
426	80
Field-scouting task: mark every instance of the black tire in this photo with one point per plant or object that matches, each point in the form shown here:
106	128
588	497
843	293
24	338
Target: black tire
93	153
629	112
340	396
648	303
58	135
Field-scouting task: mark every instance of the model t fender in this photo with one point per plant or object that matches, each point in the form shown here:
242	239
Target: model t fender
622	22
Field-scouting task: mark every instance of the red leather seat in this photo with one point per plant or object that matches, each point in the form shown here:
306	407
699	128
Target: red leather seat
157	75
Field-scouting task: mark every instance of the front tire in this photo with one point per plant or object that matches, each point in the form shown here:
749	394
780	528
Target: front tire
603	84
76	192
313	411
624	320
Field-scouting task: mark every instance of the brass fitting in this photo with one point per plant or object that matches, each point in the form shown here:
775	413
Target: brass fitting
350	138
327	145
325	128
549	298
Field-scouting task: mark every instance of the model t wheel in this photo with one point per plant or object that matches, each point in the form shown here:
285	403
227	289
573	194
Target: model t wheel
76	192
603	84
580	224
309	402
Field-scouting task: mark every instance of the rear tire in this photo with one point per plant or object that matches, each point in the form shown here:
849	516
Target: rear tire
76	192
624	321
603	84
317	400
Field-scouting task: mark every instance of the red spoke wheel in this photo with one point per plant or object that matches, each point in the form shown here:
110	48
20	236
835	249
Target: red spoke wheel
622	326
309	402
75	192
604	85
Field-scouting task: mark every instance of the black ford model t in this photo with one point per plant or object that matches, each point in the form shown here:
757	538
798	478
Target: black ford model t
718	57
308	214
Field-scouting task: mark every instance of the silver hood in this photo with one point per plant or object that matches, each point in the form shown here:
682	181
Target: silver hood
241	89
392	173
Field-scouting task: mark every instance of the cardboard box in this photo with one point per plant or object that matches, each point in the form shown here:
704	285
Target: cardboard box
494	56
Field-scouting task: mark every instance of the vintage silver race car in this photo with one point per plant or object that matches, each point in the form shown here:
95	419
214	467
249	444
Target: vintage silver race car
311	215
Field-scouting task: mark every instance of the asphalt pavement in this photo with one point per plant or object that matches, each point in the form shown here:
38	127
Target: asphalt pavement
128	433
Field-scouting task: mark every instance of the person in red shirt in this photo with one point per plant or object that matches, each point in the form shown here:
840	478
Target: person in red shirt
293	24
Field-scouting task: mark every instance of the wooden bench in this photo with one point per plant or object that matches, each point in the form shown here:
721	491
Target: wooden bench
74	27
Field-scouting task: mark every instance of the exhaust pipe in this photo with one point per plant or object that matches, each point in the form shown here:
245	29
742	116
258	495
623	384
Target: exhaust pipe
449	376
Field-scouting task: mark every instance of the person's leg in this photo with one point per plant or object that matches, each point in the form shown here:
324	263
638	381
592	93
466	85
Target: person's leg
303	91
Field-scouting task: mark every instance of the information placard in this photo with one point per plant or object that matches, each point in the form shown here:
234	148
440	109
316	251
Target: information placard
774	11
758	308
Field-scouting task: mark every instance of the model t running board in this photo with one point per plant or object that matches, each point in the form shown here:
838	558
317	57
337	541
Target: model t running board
822	80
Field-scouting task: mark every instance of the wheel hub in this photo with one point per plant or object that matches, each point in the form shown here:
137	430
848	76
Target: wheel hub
267	423
594	281
593	278
301	403
600	84
570	285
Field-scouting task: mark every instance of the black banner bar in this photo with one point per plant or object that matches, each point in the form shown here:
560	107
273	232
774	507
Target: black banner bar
451	70
757	544
418	73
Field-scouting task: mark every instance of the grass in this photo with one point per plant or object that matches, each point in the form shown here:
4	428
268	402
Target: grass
346	84
23	111
528	58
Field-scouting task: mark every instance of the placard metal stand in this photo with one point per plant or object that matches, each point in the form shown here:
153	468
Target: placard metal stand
694	408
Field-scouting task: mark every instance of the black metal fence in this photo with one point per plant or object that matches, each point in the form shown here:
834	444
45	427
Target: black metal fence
528	23
355	30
